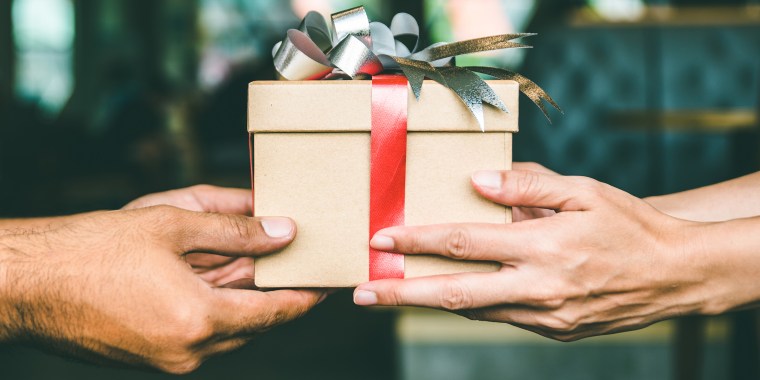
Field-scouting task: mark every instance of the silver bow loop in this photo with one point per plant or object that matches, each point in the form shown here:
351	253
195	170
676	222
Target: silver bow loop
315	26
299	58
353	57
383	41
352	22
405	30
355	48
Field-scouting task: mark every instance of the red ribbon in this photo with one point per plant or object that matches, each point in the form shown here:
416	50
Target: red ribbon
387	169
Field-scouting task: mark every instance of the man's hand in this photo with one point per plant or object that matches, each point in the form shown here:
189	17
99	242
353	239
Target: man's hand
115	285
217	270
605	262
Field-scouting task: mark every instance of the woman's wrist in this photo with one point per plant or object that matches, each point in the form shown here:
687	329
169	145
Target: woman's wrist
727	257
680	206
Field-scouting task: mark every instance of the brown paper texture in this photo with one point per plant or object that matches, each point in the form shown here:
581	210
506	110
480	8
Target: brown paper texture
314	167
343	106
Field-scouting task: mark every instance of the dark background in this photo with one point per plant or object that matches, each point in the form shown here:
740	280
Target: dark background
659	96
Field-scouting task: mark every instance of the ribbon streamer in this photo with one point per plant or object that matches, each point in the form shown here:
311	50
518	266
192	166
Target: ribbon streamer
355	48
387	190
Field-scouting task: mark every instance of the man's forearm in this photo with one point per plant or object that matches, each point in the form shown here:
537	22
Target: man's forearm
6	314
734	199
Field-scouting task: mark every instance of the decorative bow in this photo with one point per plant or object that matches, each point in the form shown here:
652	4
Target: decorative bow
356	48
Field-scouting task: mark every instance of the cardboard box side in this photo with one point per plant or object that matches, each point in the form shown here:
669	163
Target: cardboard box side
345	106
321	180
441	192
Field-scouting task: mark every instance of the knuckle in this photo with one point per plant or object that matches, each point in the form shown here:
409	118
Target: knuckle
548	299
190	328
275	317
397	296
527	182
164	211
186	331
455	297
559	323
165	215
554	324
167	218
199	332
241	227
181	365
202	188
412	243
591	186
549	247
458	243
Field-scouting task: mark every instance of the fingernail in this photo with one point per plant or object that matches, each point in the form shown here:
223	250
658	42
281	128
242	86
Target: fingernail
382	243
365	298
277	227
488	179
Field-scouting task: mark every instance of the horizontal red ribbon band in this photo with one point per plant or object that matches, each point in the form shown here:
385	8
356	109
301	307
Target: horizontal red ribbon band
387	169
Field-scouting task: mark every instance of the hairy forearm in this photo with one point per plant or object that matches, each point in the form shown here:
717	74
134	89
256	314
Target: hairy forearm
14	225
6	309
734	199
729	254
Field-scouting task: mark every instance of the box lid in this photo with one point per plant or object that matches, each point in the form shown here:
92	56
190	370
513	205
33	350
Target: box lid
345	106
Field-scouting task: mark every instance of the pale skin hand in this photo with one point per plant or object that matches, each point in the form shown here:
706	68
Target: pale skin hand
115	286
605	262
734	199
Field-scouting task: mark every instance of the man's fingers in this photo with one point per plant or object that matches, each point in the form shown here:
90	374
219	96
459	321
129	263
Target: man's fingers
245	312
496	242
223	199
205	261
200	198
242	283
450	292
224	234
240	269
524	188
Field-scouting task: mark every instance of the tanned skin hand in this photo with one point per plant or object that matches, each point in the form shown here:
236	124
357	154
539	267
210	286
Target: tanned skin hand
160	284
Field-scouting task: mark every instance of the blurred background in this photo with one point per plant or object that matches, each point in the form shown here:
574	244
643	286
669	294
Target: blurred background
103	101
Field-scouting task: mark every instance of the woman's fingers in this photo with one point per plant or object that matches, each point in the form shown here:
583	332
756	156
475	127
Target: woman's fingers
449	292
524	188
491	242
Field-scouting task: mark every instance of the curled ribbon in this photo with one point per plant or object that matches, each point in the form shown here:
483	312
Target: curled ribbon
355	48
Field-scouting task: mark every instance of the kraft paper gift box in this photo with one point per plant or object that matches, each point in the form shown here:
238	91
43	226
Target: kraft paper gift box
310	152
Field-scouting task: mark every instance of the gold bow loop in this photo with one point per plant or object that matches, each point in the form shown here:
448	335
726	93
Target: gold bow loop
355	48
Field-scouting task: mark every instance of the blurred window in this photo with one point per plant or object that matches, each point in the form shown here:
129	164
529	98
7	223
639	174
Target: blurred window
618	10
43	33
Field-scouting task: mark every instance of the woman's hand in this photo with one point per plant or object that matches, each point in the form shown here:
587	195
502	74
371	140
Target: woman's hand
520	214
605	262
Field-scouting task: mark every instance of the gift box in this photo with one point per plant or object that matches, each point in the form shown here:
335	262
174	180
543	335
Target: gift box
356	140
311	160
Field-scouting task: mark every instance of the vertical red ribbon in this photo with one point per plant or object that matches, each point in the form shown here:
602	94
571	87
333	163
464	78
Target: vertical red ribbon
387	169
